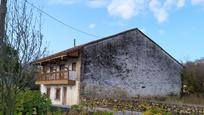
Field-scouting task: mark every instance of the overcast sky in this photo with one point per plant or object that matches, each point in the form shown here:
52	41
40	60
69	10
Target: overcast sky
176	25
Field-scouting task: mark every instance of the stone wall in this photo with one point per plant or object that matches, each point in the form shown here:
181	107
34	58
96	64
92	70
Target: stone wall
128	64
140	105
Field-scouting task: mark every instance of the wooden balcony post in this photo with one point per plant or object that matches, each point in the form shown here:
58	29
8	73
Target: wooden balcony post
62	75
59	77
68	75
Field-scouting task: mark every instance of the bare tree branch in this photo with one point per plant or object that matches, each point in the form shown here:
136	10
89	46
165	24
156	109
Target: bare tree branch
23	43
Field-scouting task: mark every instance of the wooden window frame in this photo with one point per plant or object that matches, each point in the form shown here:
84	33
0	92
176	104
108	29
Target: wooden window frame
57	93
51	69
48	91
61	67
44	69
74	66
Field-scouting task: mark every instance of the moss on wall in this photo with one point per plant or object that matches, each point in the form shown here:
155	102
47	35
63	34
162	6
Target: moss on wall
129	63
142	105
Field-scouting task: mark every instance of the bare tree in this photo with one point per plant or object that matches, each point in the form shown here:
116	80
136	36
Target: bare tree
193	77
23	43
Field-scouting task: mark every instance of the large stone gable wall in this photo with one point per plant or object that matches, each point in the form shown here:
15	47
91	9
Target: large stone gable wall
128	64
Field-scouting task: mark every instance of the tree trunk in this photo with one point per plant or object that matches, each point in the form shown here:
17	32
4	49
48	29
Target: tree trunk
3	9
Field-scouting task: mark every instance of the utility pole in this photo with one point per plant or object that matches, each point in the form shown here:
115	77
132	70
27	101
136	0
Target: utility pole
74	42
3	10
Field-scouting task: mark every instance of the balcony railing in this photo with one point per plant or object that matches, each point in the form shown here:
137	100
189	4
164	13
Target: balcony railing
56	76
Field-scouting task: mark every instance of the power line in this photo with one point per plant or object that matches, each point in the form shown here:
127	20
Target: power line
59	21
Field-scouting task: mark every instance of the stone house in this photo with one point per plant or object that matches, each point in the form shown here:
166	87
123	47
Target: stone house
125	64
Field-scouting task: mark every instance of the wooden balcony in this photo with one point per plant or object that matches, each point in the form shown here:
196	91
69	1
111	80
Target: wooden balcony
60	77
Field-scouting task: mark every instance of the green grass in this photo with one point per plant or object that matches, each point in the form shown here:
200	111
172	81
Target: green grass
188	99
193	99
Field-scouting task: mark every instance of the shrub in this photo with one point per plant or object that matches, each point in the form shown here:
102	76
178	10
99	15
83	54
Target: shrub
83	110
32	102
156	111
193	78
78	110
102	113
58	112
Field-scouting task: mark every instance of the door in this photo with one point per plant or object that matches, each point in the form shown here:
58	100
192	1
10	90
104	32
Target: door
64	101
48	92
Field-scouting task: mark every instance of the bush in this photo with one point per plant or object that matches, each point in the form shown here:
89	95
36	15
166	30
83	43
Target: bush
156	111
58	112
193	78
83	110
102	113
32	102
78	110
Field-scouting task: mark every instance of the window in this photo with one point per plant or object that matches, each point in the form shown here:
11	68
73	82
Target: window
57	94
48	92
62	67
74	66
44	69
51	69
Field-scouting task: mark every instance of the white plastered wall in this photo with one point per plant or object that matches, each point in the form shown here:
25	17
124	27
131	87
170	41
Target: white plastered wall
72	90
72	93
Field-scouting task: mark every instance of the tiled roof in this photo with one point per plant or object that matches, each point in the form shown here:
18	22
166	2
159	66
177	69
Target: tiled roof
65	52
78	48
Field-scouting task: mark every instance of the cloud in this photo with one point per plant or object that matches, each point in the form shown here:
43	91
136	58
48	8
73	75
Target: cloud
125	9
181	3
63	2
161	11
91	26
197	2
97	3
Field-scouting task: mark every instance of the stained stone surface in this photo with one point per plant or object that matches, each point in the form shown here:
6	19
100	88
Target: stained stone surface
128	64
